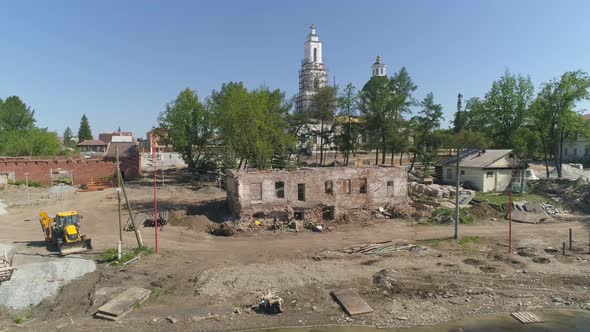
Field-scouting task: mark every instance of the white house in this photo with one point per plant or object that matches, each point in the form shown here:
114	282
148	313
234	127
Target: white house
486	170
577	150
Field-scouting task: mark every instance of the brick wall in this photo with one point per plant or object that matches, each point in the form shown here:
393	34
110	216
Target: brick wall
305	189
40	169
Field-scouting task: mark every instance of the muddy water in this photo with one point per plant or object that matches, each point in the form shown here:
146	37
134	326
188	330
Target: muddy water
555	321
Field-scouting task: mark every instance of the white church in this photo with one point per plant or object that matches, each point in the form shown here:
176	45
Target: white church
313	75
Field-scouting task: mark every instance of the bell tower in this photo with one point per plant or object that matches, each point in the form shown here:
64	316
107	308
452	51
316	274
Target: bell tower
378	68
313	74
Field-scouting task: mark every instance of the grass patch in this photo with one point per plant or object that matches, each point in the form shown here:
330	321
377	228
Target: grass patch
34	184
159	292
447	216
469	239
110	255
499	199
23	318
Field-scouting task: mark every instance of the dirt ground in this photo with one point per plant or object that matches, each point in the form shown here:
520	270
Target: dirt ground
210	283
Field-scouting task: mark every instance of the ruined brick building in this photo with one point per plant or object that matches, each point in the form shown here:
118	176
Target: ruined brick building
314	193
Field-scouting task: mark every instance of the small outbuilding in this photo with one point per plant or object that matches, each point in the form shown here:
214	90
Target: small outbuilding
92	147
484	170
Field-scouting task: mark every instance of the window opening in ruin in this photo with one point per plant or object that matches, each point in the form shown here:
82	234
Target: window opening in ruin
363	186
298	215
389	188
301	191
462	172
489	174
329	187
280	189
256	191
346	186
328	213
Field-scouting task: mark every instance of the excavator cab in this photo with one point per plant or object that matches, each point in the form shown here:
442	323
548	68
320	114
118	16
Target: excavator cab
64	231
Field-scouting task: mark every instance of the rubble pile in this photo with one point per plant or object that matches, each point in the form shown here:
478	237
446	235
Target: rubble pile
436	190
270	304
572	194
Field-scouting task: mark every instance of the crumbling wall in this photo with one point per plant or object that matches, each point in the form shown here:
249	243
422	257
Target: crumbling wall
329	192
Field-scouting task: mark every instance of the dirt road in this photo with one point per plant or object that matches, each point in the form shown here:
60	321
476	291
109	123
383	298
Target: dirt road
211	283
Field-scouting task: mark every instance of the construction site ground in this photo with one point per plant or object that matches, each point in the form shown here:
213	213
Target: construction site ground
210	283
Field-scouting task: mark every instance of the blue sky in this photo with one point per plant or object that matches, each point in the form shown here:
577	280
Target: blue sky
120	62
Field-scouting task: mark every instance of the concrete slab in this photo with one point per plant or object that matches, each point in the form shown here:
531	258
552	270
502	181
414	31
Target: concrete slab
123	303
351	302
527	217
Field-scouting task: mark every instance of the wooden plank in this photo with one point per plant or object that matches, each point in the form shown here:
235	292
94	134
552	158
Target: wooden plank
123	303
351	302
526	317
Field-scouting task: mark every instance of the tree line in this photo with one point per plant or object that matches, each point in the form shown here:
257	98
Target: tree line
20	136
240	127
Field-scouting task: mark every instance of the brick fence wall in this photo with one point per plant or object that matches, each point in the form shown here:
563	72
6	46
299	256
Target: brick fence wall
40	169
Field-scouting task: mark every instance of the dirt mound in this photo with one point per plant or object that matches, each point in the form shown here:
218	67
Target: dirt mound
198	223
484	210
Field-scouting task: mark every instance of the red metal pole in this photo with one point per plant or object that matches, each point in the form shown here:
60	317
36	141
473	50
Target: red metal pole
154	161
510	206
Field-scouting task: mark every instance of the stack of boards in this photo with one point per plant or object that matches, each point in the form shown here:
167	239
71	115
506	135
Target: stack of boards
123	303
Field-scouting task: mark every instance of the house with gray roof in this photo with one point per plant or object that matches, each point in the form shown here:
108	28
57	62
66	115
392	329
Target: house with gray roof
484	170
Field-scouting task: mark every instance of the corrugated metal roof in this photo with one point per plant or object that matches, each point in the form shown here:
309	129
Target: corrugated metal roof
477	158
92	142
126	149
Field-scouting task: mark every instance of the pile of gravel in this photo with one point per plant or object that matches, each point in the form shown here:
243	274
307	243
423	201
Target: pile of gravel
32	283
57	190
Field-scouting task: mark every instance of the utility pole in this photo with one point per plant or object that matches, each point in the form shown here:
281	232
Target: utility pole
27	189
120	242
458	184
510	205
122	182
61	192
155	162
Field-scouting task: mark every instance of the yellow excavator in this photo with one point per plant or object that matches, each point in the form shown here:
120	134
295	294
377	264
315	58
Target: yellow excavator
64	232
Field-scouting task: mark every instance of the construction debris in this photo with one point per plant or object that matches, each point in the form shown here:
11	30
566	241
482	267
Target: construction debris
6	268
123	304
351	302
378	248
270	304
95	185
526	317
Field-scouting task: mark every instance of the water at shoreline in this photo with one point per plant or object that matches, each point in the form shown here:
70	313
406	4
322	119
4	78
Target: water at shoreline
555	321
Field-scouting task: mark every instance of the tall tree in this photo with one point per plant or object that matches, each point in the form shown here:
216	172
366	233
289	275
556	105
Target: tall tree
252	124
348	121
554	117
507	106
84	132
323	107
375	104
427	121
68	137
186	124
16	115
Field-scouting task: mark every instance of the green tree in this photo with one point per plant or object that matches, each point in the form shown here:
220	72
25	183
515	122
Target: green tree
68	137
16	115
84	132
348	121
323	107
426	123
252	124
554	117
507	106
186	124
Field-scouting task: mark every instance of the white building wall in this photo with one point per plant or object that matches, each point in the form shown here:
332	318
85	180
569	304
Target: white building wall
576	151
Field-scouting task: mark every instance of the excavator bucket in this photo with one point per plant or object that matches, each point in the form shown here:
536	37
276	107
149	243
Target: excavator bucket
68	248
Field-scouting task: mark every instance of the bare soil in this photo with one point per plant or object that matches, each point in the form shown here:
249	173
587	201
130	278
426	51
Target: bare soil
210	283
